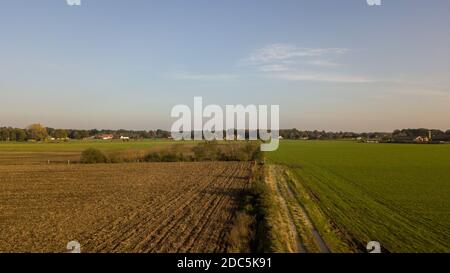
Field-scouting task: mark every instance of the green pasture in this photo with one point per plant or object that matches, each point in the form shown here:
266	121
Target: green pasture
79	145
397	194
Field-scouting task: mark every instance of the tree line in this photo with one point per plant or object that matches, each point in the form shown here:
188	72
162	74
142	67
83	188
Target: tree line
406	135
298	134
403	135
38	132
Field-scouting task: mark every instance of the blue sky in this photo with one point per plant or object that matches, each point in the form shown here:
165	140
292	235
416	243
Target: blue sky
332	65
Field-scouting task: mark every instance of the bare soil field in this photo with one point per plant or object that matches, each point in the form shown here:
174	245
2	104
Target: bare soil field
133	207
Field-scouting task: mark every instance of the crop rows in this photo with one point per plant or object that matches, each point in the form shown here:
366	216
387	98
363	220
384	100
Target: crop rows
156	207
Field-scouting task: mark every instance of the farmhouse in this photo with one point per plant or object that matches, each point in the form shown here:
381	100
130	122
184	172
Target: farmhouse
421	139
104	136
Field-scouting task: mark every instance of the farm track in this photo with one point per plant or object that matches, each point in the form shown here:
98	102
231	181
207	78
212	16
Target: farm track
293	240
300	209
307	238
146	207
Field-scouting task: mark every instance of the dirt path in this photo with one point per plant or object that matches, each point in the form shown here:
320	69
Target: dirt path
307	236
272	179
316	235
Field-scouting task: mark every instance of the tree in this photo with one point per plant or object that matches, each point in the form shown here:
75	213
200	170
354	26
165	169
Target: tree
83	134
4	134
74	134
37	132
60	134
20	134
162	134
50	131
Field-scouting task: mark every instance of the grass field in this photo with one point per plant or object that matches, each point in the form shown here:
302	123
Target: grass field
16	153
79	145
395	194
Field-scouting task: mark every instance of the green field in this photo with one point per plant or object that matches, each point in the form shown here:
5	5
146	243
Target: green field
40	153
397	194
79	145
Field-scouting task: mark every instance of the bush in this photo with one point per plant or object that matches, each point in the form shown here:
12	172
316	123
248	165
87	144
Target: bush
165	157
171	157
233	153
153	157
206	151
249	151
91	156
116	158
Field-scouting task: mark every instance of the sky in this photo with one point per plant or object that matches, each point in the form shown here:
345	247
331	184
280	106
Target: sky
330	65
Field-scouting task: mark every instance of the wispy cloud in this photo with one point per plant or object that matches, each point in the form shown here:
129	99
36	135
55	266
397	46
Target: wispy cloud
322	77
293	63
276	53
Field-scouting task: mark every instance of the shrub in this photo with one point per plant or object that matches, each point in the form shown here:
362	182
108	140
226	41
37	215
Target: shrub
91	156
166	156
206	151
241	152
171	157
233	153
116	158
153	157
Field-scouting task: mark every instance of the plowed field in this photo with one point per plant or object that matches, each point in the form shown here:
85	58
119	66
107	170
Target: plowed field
142	207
